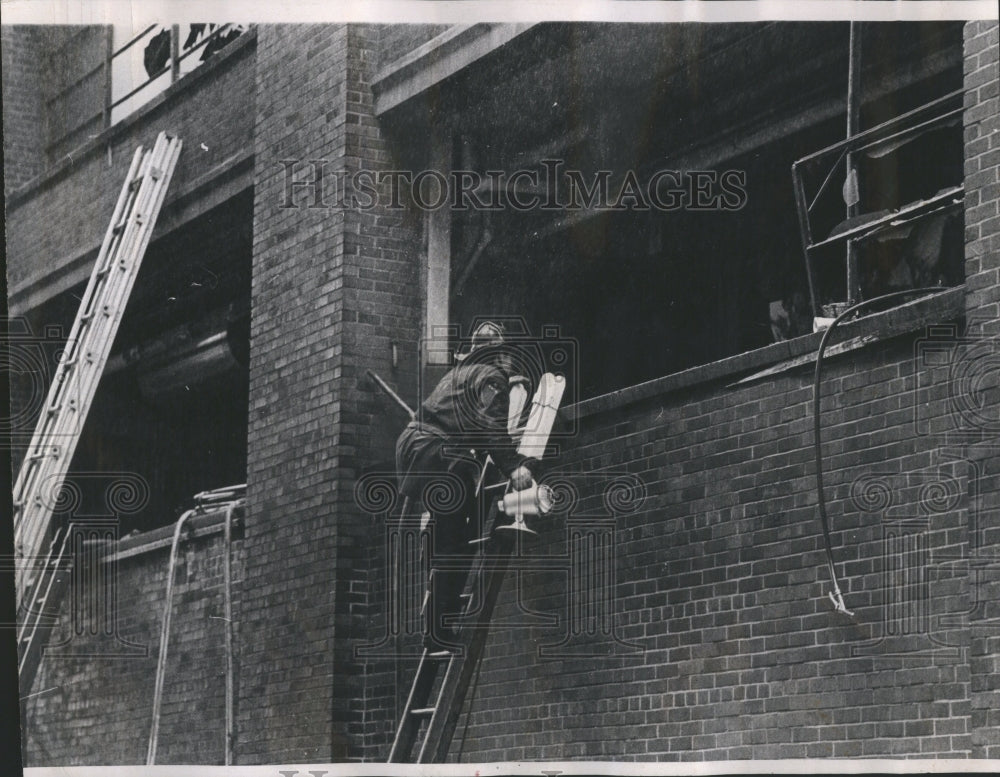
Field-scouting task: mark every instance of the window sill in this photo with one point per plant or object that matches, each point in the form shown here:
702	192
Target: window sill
209	523
902	319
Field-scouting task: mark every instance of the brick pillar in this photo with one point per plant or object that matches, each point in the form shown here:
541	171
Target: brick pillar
333	289
982	279
982	175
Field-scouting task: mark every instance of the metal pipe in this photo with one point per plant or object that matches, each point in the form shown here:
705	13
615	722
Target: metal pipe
228	627
175	46
805	234
227	576
224	494
858	142
392	394
161	663
853	284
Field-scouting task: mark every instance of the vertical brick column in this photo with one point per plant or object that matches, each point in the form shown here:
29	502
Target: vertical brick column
982	174
382	256
982	271
333	290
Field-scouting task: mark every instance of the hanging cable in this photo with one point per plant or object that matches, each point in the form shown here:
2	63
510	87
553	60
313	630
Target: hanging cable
836	596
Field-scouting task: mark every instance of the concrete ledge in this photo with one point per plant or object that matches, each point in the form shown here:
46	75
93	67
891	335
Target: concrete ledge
437	59
222	182
912	316
199	526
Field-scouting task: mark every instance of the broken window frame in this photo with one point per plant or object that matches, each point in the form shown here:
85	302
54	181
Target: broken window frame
896	132
173	65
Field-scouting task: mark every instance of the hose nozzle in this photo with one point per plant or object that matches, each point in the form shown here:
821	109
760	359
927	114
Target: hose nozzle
838	602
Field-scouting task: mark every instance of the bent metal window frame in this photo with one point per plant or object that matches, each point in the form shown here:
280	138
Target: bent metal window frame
838	159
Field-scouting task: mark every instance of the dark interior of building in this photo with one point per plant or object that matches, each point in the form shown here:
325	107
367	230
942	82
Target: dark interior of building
650	292
172	403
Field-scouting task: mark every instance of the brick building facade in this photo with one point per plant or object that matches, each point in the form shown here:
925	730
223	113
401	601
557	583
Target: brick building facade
675	608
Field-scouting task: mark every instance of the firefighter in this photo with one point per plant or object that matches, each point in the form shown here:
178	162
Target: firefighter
439	458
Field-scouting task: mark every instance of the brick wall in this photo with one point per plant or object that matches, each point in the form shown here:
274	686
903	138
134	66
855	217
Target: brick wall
214	118
385	252
43	118
724	644
75	86
24	155
982	230
95	707
982	181
332	289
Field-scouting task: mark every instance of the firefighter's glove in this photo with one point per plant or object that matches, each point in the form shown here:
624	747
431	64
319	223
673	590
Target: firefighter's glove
520	478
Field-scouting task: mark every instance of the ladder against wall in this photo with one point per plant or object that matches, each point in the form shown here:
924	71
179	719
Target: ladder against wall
442	680
430	715
40	546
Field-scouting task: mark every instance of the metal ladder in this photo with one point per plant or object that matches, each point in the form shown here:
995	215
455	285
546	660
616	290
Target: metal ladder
39	573
436	721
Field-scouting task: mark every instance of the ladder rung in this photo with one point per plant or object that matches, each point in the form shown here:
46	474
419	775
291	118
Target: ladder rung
423	711
440	654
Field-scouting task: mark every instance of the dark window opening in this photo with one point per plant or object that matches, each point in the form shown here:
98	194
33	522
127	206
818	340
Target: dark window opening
172	402
649	293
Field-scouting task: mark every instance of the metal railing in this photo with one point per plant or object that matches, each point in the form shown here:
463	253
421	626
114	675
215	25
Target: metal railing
815	177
